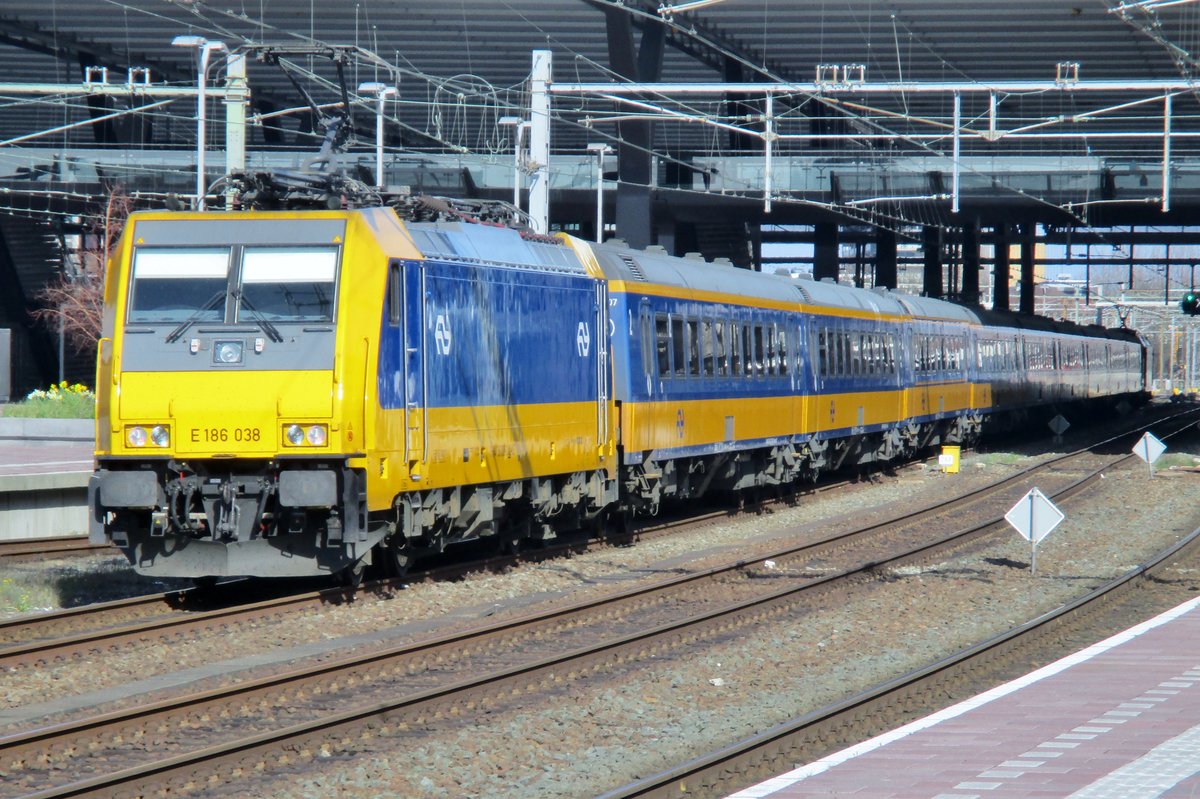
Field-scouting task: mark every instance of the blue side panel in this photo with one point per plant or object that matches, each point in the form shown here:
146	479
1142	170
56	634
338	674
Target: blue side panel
497	336
634	330
390	381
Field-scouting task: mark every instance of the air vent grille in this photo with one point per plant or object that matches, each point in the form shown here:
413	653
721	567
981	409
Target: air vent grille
633	267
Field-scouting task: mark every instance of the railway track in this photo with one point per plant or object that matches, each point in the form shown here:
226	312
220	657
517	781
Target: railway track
397	689
891	704
59	635
56	546
55	636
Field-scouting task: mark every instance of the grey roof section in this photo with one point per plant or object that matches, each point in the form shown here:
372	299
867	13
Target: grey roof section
634	266
457	241
648	266
929	308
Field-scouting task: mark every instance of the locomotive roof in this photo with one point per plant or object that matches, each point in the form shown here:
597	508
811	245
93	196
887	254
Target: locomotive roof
492	244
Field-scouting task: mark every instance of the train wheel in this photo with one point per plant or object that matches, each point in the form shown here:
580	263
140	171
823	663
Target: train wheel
352	575
400	557
618	528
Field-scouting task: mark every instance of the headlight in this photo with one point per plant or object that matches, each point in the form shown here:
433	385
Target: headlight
227	352
161	436
295	435
136	436
313	435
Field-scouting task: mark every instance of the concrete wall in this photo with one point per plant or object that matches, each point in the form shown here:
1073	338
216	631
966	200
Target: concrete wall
43	476
43	505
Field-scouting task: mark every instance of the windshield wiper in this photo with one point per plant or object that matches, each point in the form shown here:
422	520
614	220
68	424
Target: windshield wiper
174	335
268	328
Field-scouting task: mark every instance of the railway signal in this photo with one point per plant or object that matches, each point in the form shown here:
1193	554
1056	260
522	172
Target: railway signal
1190	304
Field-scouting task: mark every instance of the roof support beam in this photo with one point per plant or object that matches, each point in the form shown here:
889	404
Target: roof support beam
634	162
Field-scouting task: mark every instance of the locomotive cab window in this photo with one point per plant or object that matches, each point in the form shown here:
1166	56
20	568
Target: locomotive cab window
288	284
173	285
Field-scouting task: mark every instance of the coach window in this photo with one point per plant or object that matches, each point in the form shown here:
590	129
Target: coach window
707	350
678	346
772	364
747	350
783	351
822	355
721	354
662	344
735	349
693	348
753	335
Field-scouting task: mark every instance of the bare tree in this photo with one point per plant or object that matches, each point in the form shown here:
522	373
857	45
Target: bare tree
76	298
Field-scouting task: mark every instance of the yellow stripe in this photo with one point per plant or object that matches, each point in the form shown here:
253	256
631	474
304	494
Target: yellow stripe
656	425
477	445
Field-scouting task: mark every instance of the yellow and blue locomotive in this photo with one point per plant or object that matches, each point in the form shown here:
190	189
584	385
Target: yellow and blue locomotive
287	393
281	393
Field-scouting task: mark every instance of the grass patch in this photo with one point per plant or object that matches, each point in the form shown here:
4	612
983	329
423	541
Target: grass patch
18	595
29	586
61	401
999	458
1177	460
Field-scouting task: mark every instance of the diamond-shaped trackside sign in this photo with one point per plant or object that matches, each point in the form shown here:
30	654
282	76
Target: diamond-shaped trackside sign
1034	516
1149	448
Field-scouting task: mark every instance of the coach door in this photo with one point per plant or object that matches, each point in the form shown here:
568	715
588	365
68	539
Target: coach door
602	368
415	376
648	345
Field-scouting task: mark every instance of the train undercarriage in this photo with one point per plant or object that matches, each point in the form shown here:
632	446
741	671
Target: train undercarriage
305	517
278	518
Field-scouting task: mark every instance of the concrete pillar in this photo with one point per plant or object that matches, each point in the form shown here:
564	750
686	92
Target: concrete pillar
825	251
1000	273
1028	253
970	261
931	240
885	258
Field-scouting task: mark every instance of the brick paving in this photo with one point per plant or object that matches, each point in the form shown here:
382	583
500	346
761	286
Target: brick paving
1119	720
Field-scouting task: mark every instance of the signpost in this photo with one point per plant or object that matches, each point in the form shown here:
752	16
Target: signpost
1149	449
1058	425
1034	517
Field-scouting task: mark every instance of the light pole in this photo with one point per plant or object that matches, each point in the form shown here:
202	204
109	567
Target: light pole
204	48
381	91
518	136
600	150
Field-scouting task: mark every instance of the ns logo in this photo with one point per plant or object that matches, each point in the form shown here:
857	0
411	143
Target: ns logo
583	340
441	334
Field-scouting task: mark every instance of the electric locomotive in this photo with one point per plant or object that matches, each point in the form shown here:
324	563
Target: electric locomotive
281	393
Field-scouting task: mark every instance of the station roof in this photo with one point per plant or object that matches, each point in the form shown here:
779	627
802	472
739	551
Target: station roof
463	65
477	47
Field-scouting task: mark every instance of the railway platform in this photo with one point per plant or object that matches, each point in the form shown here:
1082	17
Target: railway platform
44	470
1117	720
